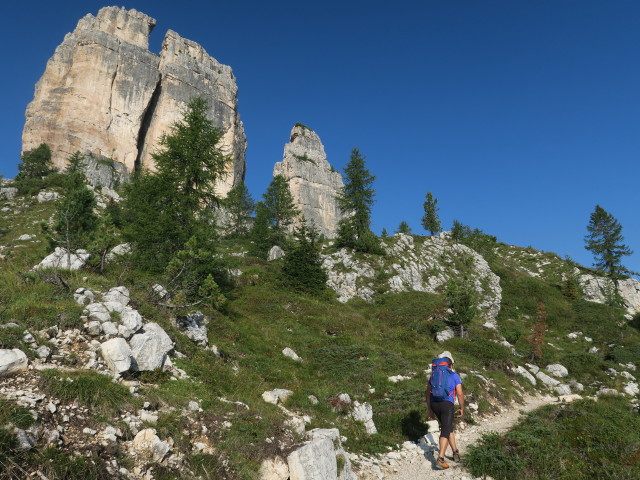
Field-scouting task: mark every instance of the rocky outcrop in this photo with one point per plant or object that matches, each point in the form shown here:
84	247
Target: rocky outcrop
595	289
421	267
313	183
104	93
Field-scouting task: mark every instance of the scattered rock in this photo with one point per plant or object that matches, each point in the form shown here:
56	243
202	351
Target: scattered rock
275	253
147	443
523	371
194	326
279	395
46	196
287	352
547	380
363	412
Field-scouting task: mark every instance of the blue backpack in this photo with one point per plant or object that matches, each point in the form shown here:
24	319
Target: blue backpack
439	381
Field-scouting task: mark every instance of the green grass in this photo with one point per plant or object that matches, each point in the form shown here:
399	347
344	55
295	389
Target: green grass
352	348
585	439
91	389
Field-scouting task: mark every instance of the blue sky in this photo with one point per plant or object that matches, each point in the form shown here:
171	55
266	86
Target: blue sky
520	116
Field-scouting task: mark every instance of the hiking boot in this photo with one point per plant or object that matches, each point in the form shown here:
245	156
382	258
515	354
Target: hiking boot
456	456
441	464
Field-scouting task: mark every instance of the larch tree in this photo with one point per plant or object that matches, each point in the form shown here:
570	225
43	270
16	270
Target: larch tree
605	242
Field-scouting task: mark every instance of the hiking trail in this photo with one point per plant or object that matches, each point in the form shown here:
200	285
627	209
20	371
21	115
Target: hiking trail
415	461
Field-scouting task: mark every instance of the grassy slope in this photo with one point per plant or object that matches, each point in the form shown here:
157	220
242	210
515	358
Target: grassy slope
350	348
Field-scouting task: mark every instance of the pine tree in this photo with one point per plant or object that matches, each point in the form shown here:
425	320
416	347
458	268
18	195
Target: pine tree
280	207
384	233
355	202
403	228
75	220
302	269
430	219
260	233
239	206
604	240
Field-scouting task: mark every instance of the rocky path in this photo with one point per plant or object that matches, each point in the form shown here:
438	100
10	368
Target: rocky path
415	461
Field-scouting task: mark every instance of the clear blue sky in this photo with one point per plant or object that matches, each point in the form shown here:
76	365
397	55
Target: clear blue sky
520	116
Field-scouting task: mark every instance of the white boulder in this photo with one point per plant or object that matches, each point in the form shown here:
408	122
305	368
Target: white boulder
363	412
117	355
523	371
314	461
150	348
131	322
276	396
287	352
274	469
12	361
275	253
557	370
117	294
62	259
47	196
547	380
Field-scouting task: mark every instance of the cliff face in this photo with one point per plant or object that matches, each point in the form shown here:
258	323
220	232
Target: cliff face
313	184
103	92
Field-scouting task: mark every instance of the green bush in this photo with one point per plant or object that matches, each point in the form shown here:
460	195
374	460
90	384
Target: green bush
485	353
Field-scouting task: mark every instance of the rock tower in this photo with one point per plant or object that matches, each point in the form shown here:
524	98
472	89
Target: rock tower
103	92
312	181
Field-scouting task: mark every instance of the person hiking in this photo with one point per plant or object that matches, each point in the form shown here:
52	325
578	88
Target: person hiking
443	386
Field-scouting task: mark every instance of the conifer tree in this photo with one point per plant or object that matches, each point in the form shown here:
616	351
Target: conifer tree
75	220
302	269
430	219
355	202
74	162
34	166
605	241
403	228
164	209
239	207
260	233
384	233
280	207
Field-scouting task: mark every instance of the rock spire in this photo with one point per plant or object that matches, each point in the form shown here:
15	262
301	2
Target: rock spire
312	181
103	92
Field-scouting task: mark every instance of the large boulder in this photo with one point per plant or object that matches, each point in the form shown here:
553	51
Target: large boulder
63	259
151	347
12	361
314	461
313	183
117	355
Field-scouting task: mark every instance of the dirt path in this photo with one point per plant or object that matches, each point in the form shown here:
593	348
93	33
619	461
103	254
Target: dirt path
415	462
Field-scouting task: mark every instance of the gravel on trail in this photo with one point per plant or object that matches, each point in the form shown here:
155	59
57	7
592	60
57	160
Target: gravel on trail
416	461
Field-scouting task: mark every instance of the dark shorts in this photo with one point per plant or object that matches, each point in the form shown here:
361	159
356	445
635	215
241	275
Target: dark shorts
444	413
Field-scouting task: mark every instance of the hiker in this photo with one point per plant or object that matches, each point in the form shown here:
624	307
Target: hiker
441	401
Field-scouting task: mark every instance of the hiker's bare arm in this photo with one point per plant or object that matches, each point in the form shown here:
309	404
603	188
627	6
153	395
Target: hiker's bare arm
428	398
460	396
